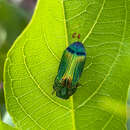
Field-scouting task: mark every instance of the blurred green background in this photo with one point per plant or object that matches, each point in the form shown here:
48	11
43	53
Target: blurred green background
14	16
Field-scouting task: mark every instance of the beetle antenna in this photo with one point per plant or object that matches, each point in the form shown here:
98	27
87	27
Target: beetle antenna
78	36
74	35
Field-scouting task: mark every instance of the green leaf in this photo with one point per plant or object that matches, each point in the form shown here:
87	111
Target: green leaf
4	126
32	63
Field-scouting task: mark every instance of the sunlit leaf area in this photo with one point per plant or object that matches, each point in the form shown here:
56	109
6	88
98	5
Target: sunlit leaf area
33	37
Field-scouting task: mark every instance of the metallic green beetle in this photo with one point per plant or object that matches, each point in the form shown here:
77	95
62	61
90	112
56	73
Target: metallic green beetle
70	69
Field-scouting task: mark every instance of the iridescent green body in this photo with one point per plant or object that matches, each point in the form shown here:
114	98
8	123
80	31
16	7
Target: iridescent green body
70	69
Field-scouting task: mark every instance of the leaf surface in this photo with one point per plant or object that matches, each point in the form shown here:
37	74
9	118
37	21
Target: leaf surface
32	63
4	126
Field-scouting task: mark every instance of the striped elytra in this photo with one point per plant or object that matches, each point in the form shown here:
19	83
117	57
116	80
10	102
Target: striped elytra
70	69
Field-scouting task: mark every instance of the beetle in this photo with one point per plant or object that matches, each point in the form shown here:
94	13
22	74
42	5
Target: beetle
70	69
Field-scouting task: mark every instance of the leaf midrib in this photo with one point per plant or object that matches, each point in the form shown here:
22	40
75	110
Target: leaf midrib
99	13
86	37
66	37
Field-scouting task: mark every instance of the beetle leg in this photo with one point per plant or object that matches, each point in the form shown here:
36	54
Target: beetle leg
53	91
69	82
79	85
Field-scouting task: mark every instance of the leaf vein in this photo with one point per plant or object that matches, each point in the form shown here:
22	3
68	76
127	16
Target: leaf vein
36	83
107	75
95	22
